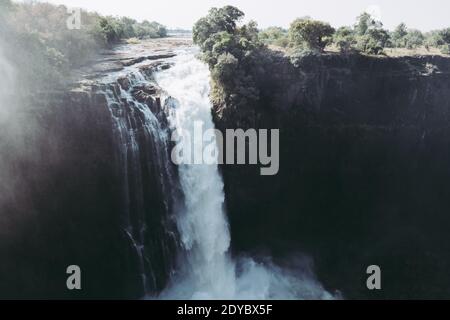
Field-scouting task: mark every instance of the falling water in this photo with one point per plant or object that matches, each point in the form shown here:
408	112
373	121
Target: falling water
207	270
8	81
143	164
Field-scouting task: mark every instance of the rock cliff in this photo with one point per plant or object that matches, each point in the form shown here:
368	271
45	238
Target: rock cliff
85	183
364	169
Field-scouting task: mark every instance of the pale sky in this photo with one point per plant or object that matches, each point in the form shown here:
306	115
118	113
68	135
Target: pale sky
421	14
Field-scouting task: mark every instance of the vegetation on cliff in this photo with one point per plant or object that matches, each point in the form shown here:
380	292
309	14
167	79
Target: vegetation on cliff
234	54
367	35
313	34
37	40
239	56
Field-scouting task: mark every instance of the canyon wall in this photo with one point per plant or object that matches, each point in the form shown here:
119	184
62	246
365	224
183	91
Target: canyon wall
86	187
364	171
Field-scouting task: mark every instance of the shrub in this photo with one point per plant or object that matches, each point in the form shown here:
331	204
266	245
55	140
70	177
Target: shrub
275	36
366	22
370	35
414	39
44	50
218	20
233	54
316	35
374	41
345	39
399	36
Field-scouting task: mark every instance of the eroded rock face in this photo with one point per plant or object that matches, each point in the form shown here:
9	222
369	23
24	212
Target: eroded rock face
364	169
81	193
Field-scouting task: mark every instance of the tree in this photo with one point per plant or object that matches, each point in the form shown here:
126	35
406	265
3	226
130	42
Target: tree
365	22
218	20
445	35
414	39
275	36
234	55
398	36
128	27
107	30
345	39
371	36
315	35
374	41
445	40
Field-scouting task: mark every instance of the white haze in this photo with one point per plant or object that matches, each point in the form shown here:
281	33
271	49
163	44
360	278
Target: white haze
207	269
9	131
423	15
8	83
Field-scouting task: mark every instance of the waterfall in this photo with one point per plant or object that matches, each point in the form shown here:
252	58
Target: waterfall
206	269
147	178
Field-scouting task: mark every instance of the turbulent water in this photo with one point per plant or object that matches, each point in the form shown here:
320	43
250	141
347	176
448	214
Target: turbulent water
206	269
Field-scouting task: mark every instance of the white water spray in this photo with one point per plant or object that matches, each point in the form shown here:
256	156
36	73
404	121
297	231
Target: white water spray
207	271
8	82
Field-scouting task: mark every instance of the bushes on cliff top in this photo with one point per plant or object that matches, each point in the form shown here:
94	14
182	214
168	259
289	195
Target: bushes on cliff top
275	36
38	42
402	37
315	35
345	39
371	37
233	53
367	35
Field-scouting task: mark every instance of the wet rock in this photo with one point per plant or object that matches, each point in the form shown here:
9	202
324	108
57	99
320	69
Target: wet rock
151	57
124	83
148	69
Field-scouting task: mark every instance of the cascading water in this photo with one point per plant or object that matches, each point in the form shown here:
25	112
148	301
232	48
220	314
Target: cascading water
207	270
147	180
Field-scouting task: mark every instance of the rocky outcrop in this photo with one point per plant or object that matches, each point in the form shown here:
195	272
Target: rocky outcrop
133	61
364	171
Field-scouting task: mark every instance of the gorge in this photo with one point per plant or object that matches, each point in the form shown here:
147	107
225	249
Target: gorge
363	170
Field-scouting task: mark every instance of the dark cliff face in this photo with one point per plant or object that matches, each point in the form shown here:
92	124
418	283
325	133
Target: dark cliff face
79	195
364	172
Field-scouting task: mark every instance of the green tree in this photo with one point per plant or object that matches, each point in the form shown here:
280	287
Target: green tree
374	41
128	27
365	22
218	20
398	36
314	34
371	36
414	39
275	36
345	39
107	30
234	55
444	36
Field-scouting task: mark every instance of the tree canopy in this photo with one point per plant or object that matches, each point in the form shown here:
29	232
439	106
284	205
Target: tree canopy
314	34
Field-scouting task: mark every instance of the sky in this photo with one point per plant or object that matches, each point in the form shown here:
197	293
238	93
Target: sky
425	15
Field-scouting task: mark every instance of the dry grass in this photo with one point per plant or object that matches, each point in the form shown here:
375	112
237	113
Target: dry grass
389	52
421	51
